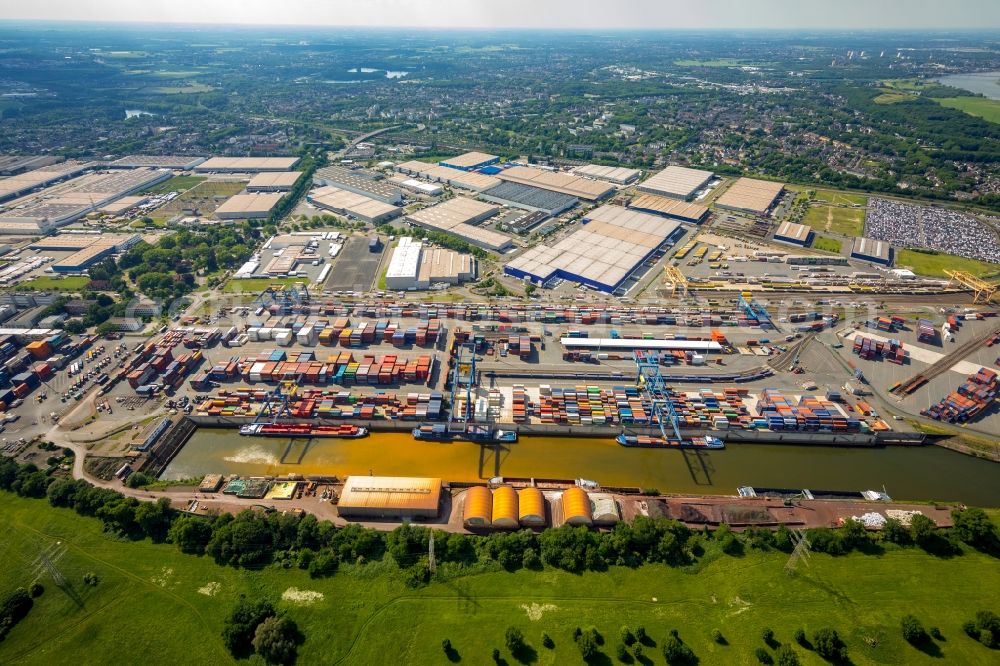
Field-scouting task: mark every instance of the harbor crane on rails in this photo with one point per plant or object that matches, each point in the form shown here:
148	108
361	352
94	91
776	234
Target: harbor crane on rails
981	289
463	375
755	311
654	388
276	404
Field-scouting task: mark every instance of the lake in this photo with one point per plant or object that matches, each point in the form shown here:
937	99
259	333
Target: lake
986	84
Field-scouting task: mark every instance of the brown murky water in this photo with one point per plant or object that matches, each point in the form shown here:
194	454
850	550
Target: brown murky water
923	473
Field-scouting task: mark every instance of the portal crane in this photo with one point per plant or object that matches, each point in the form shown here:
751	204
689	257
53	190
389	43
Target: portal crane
655	389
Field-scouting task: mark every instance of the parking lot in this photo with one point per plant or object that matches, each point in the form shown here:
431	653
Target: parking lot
355	269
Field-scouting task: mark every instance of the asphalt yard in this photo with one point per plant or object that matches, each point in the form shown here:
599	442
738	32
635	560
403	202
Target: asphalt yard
356	268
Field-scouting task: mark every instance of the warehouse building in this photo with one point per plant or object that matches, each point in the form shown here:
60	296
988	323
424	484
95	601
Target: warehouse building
247	164
366	183
676	182
417	186
616	175
67	201
531	507
254	206
505	514
611	245
366	497
563	183
793	234
273	181
875	251
122	205
477	510
529	198
576	507
12	165
470	161
604	509
88	249
457	216
474	182
17	185
415	266
175	162
672	208
353	205
751	195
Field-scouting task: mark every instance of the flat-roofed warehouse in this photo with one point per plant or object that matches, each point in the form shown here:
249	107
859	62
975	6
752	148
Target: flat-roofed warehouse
257	205
469	161
751	195
875	251
176	162
676	182
610	246
11	165
564	183
351	204
15	186
390	497
794	234
273	181
526	197
457	216
616	175
474	182
64	202
359	181
122	205
247	164
673	208
416	266
88	249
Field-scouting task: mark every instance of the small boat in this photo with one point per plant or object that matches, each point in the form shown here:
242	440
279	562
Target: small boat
647	442
588	484
439	433
343	431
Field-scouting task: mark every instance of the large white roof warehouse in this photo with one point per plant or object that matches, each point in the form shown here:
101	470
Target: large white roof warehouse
677	182
457	216
564	183
616	175
247	164
603	253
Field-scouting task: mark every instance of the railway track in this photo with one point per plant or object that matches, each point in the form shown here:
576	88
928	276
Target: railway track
788	359
943	364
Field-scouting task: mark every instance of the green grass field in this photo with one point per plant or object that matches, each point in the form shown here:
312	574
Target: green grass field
827	244
155	604
844	221
176	184
257	285
46	283
892	98
987	109
934	264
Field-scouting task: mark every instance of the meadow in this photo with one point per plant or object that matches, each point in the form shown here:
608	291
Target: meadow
158	605
934	264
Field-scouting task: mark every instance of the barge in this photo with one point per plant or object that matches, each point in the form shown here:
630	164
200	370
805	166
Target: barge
343	431
440	433
791	493
647	442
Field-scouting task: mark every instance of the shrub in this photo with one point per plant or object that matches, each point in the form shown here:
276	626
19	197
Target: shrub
936	633
587	644
913	631
626	635
446	645
829	645
90	578
513	639
240	627
36	590
800	637
496	656
621	653
717	636
675	651
988	638
638	651
547	641
786	656
275	639
767	635
640	634
762	656
13	608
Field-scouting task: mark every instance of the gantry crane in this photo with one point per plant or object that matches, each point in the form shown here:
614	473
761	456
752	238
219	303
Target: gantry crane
276	404
755	311
673	277
981	289
463	376
654	388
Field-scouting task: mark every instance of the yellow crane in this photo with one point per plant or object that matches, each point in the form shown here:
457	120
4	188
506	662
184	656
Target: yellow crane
981	289
676	280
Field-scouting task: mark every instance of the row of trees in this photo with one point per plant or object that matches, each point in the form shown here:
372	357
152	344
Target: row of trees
254	539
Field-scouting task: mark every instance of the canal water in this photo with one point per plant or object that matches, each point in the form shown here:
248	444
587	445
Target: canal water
986	84
907	473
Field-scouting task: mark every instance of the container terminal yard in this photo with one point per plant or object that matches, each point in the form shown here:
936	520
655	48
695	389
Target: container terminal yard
681	354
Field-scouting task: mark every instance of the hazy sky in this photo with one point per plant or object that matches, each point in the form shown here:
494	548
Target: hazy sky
529	13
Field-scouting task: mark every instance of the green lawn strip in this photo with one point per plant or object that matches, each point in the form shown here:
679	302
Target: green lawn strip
257	285
987	109
935	264
827	244
148	603
46	283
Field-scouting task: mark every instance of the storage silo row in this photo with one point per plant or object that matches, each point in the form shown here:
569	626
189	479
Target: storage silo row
504	508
